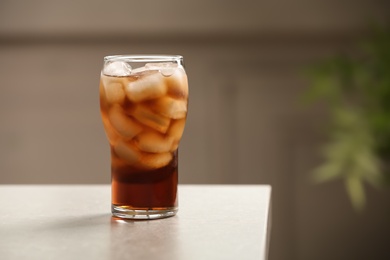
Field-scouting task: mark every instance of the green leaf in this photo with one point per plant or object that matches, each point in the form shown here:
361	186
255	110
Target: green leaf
368	166
356	193
356	90
327	172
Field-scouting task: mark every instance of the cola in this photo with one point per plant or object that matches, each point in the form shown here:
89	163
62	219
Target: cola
144	108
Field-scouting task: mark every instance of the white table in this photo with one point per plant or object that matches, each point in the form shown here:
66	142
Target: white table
74	222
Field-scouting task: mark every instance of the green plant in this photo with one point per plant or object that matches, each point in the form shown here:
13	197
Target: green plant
356	90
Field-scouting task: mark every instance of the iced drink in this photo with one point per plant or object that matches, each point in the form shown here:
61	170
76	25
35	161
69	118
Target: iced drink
143	103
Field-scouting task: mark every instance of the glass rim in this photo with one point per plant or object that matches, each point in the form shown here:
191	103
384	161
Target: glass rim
144	58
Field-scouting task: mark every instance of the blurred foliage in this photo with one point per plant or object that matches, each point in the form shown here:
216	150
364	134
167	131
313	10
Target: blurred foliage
356	90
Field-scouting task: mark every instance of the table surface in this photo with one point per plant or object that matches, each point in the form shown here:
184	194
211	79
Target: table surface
74	222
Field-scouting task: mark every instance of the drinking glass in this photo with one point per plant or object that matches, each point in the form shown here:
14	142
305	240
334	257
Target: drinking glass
143	104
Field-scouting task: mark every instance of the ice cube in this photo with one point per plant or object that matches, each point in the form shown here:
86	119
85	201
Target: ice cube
149	118
114	93
102	95
112	136
139	70
175	131
169	107
117	68
120	165
153	142
148	86
126	126
166	68
113	89
127	152
106	80
116	162
154	160
174	146
177	84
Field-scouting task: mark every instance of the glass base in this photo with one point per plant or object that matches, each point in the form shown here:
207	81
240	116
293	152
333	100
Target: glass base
132	213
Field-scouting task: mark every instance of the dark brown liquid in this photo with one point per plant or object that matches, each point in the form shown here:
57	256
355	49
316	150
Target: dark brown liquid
139	189
144	122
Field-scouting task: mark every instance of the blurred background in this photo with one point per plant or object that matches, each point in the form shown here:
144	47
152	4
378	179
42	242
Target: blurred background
245	125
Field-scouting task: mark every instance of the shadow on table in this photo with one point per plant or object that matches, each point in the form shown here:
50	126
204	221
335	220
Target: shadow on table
87	235
75	222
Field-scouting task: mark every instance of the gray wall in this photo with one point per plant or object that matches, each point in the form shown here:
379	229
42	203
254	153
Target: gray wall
245	124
